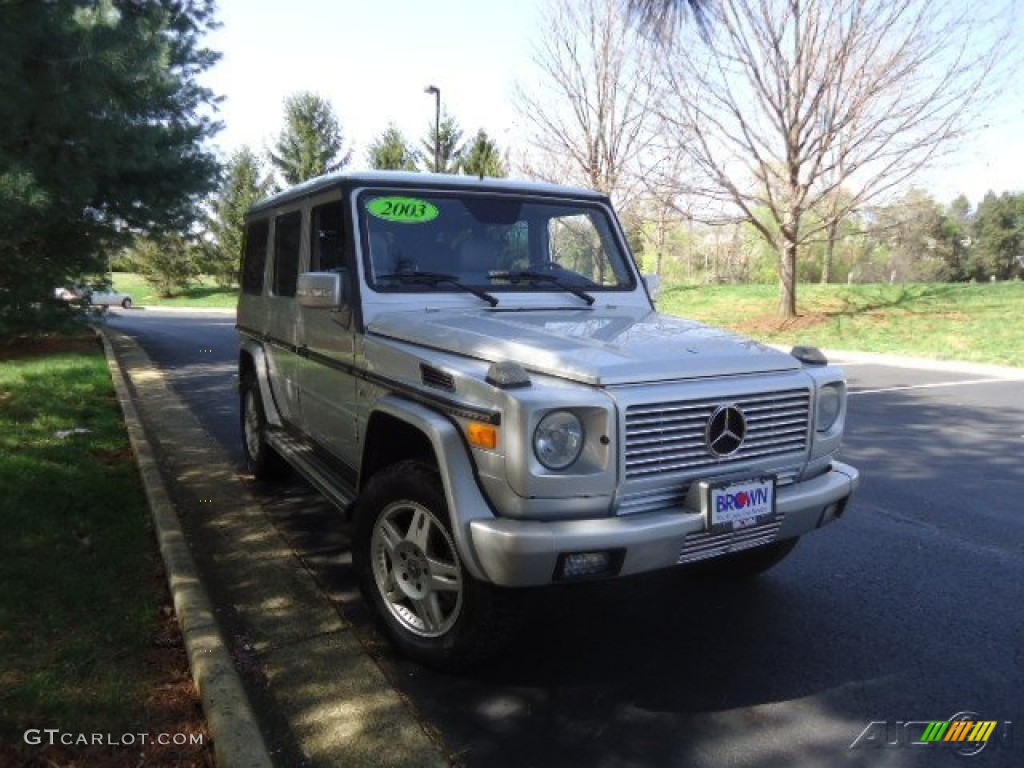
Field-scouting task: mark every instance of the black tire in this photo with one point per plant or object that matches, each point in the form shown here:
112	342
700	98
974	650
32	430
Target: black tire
126	304
748	564
410	573
260	458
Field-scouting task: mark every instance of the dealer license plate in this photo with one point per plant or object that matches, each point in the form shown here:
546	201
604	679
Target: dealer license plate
737	505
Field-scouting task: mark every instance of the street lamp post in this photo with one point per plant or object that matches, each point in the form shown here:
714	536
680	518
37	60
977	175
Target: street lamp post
437	125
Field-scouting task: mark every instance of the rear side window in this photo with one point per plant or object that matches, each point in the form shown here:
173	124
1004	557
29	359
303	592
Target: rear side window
287	238
325	238
254	256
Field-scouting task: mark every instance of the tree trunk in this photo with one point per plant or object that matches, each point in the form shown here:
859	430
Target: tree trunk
662	236
830	247
787	279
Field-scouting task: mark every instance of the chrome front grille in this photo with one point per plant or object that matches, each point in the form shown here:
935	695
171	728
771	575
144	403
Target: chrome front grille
700	546
669	437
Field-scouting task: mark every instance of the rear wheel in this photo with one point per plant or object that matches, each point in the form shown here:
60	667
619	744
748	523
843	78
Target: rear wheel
410	571
126	304
262	460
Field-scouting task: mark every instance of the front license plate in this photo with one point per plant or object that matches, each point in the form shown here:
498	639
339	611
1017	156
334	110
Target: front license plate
736	505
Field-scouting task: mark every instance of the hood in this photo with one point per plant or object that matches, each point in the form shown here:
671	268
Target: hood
601	348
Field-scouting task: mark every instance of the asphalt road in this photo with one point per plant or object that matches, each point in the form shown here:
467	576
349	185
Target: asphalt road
908	609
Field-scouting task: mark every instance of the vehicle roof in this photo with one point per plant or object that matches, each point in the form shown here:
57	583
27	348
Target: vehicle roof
421	181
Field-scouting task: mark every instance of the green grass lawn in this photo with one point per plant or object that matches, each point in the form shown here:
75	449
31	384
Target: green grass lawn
76	557
206	295
968	322
82	580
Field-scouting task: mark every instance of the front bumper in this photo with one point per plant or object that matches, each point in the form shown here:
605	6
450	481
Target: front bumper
524	553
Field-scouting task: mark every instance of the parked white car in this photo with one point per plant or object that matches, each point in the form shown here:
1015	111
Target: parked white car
97	295
104	297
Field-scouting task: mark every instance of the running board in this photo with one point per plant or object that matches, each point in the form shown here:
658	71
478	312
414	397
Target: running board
304	459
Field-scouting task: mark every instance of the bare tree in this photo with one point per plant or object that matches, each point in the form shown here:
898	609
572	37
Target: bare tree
590	116
663	206
791	101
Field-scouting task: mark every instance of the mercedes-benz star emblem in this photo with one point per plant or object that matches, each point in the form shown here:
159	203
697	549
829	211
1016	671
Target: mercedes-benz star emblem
725	431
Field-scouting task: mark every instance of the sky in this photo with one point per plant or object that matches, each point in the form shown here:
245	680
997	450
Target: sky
372	61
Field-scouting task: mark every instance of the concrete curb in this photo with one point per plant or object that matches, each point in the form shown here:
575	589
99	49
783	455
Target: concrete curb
237	740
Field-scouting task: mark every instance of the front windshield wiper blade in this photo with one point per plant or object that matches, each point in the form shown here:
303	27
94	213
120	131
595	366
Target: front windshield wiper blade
529	275
437	278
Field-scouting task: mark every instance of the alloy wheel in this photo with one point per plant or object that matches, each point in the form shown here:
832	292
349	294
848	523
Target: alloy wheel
416	569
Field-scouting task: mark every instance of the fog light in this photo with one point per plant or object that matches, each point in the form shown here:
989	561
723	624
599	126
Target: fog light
581	565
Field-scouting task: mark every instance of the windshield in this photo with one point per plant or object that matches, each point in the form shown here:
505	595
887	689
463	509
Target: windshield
448	241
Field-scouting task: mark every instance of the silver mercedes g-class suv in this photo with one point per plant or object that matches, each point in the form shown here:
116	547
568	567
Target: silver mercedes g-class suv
474	369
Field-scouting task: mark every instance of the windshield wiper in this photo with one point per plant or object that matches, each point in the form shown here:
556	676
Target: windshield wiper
417	277
532	276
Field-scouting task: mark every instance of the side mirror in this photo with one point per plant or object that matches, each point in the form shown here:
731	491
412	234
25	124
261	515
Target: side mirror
653	283
320	289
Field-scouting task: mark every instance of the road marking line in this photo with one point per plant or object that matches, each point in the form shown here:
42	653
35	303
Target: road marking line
925	386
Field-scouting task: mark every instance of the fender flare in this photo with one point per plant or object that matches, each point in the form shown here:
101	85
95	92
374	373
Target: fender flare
466	500
254	349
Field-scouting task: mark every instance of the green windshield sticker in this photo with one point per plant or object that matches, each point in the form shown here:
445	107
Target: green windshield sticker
407	210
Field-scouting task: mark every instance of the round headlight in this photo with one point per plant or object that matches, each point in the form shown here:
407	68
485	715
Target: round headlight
830	401
558	439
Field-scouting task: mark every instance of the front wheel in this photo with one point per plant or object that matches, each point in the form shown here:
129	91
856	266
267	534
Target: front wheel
410	571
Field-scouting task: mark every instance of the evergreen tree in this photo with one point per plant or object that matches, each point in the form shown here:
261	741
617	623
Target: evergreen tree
957	231
244	184
168	262
391	152
450	147
998	241
311	142
103	123
483	158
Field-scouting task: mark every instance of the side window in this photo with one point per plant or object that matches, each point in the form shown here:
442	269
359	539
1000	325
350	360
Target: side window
325	241
287	239
254	256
